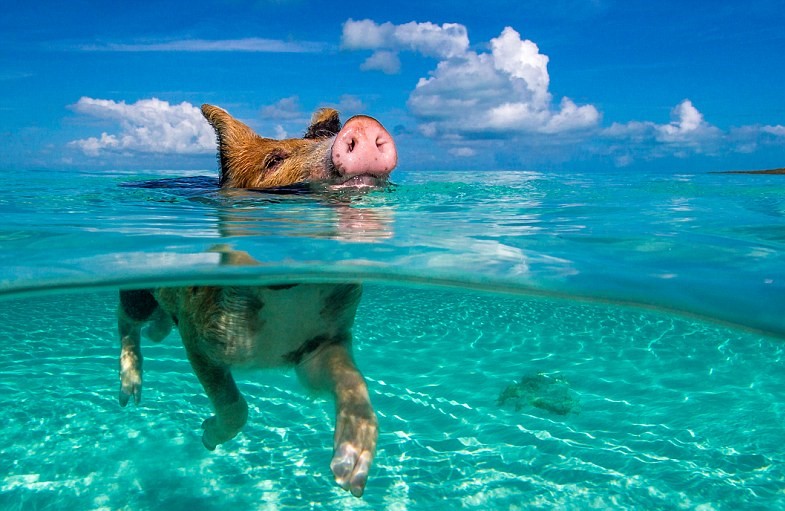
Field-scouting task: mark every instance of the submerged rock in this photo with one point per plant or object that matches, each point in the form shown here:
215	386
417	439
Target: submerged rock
550	393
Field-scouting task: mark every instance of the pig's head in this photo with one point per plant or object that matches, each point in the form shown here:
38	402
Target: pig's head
361	153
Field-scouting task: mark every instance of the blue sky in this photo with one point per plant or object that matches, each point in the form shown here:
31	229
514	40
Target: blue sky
571	85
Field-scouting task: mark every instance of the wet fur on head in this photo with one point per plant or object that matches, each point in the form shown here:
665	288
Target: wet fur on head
250	161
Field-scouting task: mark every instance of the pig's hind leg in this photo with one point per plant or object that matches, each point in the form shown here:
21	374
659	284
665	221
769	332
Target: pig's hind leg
136	308
332	369
160	325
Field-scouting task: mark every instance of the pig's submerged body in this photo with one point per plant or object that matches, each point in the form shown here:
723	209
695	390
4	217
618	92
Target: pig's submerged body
264	327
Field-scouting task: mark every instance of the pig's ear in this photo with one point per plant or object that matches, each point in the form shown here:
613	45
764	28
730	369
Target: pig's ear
325	123
234	139
228	129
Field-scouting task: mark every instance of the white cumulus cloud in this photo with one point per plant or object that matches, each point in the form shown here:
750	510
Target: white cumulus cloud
687	131
505	92
441	41
687	126
522	60
747	139
384	61
777	131
147	126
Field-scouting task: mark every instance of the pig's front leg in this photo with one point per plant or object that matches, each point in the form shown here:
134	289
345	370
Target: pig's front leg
332	369
231	410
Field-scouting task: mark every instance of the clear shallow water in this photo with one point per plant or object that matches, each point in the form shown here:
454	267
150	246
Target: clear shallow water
707	244
679	404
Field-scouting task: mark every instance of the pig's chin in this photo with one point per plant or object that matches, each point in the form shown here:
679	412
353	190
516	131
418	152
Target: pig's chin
359	181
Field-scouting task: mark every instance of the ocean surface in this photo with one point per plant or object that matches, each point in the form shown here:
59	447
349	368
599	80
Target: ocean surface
531	340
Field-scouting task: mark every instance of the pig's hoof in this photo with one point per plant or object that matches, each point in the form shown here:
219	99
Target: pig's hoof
355	446
226	425
215	433
130	385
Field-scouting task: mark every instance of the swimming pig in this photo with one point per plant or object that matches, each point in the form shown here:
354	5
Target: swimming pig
305	326
360	153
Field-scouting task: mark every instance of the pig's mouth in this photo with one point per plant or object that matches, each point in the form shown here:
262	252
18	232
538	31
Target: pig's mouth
361	181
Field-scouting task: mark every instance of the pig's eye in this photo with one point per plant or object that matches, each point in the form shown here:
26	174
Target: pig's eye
274	159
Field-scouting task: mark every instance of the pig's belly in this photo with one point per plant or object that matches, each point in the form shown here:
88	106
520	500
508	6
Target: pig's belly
274	326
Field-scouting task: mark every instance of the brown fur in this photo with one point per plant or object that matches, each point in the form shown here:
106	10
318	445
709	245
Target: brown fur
250	161
305	326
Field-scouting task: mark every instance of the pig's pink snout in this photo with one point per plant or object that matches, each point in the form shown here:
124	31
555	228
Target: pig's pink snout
364	147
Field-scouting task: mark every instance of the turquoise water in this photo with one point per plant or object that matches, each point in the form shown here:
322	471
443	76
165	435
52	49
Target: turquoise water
650	305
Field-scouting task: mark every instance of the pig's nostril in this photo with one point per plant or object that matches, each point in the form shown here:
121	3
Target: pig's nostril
352	143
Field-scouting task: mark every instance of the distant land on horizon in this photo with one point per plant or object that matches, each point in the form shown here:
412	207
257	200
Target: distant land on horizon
769	171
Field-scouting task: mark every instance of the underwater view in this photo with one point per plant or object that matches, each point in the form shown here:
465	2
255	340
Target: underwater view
530	340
